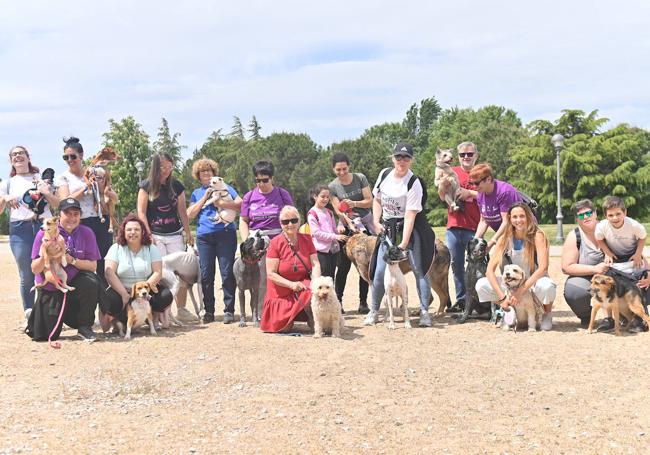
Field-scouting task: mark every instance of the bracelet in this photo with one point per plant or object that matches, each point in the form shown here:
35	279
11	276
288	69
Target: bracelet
501	300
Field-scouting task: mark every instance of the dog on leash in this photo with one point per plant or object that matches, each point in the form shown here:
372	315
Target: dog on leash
395	285
98	176
139	309
529	309
219	191
477	261
359	249
53	253
446	177
620	295
247	275
326	308
182	269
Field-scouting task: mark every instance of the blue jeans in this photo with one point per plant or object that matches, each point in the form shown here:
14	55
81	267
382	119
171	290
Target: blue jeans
218	246
457	240
21	240
421	281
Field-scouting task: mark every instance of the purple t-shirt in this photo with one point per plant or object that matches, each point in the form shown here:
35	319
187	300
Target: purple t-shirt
263	210
500	200
81	244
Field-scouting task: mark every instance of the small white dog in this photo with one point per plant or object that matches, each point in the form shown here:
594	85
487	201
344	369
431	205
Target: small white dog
326	308
445	174
529	309
395	285
225	216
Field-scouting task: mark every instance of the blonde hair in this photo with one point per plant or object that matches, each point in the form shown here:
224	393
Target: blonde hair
505	243
202	165
289	209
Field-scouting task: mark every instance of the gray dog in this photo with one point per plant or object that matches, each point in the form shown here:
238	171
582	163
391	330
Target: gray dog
181	269
247	275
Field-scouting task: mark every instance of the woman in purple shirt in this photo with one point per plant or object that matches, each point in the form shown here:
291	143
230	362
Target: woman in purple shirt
260	211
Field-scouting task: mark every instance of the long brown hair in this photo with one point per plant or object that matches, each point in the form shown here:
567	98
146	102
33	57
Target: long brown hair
32	169
154	176
506	241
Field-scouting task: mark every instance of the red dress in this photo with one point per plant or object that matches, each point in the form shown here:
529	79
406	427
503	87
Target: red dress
282	305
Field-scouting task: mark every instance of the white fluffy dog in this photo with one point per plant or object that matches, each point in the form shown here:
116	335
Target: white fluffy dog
219	191
395	286
529	310
445	174
326	308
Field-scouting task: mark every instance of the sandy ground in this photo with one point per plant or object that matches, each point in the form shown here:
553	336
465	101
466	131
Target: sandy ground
223	389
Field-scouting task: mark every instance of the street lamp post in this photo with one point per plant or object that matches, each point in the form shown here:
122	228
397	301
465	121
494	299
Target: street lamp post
139	166
557	140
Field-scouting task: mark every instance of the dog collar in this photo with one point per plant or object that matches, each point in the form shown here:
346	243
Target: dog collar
250	261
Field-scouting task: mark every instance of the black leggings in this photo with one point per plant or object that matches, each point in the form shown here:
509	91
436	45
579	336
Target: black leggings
112	303
327	263
344	265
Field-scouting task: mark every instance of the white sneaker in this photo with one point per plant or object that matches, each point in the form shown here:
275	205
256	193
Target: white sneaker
547	321
371	318
184	315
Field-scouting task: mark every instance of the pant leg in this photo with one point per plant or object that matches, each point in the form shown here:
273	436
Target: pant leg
226	246
103	238
81	303
21	240
111	303
485	291
207	257
161	299
457	239
544	290
327	263
363	290
378	290
344	265
577	296
421	281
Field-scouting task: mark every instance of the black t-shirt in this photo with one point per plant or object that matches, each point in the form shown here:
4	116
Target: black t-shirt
162	212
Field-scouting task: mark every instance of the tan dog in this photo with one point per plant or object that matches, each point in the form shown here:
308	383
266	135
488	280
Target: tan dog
619	295
446	177
528	310
53	253
99	173
359	248
139	309
326	308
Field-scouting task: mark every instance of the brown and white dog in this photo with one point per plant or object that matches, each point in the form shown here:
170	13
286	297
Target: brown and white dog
219	191
139	309
53	253
619	295
98	177
326	308
529	309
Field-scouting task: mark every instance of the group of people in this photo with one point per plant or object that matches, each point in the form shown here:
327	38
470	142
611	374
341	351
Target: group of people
102	272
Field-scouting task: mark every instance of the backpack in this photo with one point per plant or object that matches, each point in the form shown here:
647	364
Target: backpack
530	202
384	173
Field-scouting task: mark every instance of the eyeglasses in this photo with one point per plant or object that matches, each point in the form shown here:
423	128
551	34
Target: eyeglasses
99	178
583	215
73	157
402	157
263	180
478	182
289	221
466	154
18	153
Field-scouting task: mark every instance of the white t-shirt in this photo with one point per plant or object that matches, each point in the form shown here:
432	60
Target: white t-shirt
621	241
74	184
16	186
396	199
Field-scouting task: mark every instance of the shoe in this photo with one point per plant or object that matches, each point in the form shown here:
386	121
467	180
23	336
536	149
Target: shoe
342	310
425	319
547	321
638	326
363	308
184	315
606	325
228	318
584	323
86	334
208	318
371	318
459	307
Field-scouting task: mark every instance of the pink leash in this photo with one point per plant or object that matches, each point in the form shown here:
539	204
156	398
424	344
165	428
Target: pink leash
57	344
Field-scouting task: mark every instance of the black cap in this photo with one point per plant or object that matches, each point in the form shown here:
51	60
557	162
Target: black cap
403	148
69	203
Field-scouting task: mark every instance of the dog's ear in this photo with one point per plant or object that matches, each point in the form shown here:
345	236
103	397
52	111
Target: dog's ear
134	290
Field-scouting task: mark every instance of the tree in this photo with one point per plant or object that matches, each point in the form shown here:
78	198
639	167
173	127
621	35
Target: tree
168	143
131	143
254	128
419	120
237	130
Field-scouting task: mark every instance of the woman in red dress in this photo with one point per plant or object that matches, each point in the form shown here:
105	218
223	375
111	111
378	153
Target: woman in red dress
290	261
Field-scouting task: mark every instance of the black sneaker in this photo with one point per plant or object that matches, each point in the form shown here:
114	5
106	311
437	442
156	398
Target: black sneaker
638	325
86	334
459	307
208	318
605	325
363	308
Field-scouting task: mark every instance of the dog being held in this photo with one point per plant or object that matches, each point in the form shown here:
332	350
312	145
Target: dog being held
529	309
53	253
618	294
247	275
395	285
477	261
219	191
139	309
326	308
447	180
105	198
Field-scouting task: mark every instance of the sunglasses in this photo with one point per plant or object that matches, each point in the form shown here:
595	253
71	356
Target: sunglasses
263	180
583	215
478	182
466	154
70	157
289	221
402	157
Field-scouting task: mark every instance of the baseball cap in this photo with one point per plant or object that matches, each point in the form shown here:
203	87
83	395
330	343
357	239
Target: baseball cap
403	148
69	203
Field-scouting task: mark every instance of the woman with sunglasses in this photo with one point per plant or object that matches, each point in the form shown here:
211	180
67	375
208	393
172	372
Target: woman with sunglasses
72	183
23	223
260	210
398	212
291	262
494	199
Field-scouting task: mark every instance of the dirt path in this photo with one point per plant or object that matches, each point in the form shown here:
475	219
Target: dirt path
223	389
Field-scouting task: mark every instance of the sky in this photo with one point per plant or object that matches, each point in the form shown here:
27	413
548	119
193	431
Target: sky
330	70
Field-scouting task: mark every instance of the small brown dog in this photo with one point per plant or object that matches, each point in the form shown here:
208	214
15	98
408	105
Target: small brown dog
620	295
53	253
139	309
105	198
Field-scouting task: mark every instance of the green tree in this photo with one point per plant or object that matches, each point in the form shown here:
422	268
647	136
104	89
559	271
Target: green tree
237	130
419	120
254	129
168	143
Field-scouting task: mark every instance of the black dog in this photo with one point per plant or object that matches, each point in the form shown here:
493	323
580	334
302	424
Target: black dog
477	261
247	275
33	198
